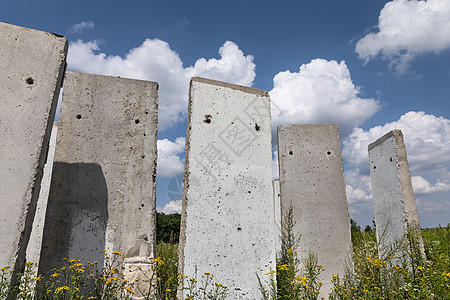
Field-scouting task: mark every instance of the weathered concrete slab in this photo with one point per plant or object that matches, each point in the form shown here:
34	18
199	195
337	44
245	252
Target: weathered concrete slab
394	203
35	243
227	225
312	181
32	66
277	209
102	194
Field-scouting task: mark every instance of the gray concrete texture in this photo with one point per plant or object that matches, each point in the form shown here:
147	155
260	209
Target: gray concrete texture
312	182
32	67
227	225
35	243
102	194
277	212
394	203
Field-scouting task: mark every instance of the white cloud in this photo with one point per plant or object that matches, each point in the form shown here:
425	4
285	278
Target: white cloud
77	28
358	187
321	92
427	140
172	207
169	162
275	169
421	186
154	60
407	29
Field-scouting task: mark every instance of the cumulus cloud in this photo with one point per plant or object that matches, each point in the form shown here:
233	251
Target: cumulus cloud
275	169
173	207
154	60
421	186
77	28
407	29
169	162
321	92
427	140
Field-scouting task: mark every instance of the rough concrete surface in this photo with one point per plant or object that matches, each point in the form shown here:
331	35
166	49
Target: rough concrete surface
227	225
312	181
394	203
32	64
277	209
35	243
102	194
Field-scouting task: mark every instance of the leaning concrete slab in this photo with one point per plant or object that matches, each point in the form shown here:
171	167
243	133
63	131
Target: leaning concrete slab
312	182
227	225
394	204
32	67
35	243
102	194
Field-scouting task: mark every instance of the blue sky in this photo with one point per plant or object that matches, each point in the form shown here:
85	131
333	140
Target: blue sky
368	65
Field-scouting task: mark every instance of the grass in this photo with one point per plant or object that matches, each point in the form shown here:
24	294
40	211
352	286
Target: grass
402	274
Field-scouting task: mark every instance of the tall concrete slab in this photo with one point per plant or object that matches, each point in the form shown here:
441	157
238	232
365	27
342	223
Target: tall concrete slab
227	225
102	194
312	182
32	67
394	203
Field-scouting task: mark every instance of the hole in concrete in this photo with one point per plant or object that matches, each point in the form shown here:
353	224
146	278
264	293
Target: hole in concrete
136	121
249	192
291	152
146	112
142	205
29	80
257	127
207	119
143	156
328	152
390	158
239	228
374	167
78	117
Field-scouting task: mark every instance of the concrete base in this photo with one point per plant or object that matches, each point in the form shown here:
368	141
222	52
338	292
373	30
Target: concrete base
32	67
227	226
102	194
312	182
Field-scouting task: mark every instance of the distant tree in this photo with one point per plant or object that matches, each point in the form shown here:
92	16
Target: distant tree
354	227
368	229
168	227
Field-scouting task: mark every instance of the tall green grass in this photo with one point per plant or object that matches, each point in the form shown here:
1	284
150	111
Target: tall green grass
403	274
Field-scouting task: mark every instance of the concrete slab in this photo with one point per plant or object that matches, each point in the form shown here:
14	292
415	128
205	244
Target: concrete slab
394	203
277	209
312	181
102	194
227	225
32	67
35	243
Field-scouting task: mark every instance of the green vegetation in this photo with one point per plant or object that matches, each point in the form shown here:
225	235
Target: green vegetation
167	228
402	274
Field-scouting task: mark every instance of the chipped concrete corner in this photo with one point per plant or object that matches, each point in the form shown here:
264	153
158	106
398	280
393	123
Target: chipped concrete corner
102	194
228	215
394	203
312	183
33	64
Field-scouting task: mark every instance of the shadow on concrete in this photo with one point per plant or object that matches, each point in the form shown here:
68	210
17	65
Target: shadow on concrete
77	215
